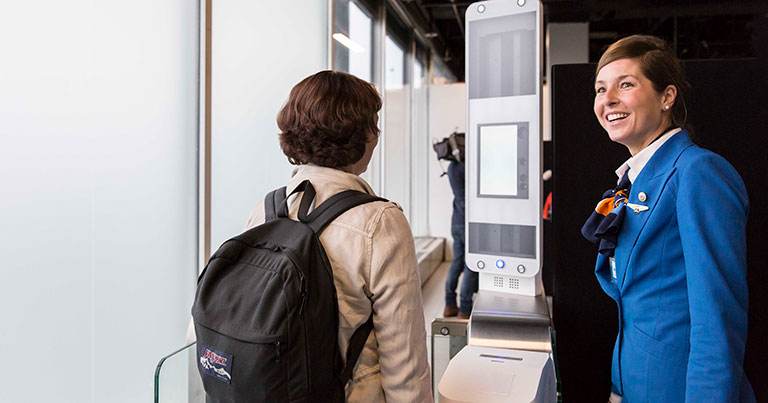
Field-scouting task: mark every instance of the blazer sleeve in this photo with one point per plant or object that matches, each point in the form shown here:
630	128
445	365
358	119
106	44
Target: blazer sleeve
398	315
712	209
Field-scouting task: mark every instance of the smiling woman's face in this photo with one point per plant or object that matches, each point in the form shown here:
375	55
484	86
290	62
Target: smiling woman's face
627	105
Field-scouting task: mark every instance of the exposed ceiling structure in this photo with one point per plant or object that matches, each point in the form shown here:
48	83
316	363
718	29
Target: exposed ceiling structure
698	29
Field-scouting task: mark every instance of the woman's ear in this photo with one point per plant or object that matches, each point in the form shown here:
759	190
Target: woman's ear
669	95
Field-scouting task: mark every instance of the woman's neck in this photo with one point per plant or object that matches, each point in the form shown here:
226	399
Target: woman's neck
664	128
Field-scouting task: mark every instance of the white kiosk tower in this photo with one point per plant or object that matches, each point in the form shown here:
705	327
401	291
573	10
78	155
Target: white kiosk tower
509	353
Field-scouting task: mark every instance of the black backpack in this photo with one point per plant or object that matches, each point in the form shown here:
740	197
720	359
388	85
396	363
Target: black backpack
266	312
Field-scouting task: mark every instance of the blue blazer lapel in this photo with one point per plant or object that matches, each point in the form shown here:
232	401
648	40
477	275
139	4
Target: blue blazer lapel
651	182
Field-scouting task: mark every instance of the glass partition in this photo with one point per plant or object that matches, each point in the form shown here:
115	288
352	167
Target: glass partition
448	337
397	156
176	377
420	147
99	113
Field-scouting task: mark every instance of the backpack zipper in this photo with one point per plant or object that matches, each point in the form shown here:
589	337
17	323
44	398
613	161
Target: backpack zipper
277	351
303	286
303	290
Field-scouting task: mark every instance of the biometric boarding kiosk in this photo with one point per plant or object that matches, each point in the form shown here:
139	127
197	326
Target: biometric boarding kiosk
509	353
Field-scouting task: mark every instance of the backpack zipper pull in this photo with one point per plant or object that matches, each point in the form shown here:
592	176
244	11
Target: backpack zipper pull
303	296
277	350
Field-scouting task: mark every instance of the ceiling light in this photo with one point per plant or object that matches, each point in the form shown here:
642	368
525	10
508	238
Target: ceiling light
348	43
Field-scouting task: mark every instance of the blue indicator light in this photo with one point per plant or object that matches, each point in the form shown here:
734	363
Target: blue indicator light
500	264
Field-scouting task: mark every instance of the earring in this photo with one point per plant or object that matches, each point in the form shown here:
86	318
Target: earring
666	107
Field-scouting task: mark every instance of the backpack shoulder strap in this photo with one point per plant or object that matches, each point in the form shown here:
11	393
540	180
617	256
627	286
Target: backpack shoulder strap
356	344
336	206
275	204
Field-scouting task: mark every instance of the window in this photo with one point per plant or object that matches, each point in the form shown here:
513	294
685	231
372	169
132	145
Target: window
397	150
420	144
353	40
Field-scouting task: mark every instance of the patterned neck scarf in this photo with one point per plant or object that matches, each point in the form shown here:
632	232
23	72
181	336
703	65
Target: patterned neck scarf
603	225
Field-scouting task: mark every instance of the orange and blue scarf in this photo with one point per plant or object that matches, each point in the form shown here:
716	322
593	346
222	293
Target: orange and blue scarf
603	225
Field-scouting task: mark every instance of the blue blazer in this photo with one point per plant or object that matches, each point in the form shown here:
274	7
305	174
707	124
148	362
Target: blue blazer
680	283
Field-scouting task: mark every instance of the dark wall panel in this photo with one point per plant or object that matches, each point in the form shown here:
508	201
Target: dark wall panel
727	109
585	319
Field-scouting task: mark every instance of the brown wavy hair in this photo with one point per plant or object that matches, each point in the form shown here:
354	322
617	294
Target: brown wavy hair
327	119
658	63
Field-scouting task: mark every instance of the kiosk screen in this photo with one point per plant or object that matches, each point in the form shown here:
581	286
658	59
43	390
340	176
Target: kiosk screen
503	160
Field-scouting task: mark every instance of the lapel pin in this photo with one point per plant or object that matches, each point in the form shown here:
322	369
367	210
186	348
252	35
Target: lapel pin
642	196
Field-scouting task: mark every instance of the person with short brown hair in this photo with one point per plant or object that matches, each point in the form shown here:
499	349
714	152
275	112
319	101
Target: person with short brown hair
329	130
672	239
328	120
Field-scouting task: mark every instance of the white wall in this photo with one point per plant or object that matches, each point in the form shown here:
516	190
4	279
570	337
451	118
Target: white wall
98	186
447	113
261	49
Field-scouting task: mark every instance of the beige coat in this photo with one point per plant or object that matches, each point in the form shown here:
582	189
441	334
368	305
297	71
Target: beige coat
371	251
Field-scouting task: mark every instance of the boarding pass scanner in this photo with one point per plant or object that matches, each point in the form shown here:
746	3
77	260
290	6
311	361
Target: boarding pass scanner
509	356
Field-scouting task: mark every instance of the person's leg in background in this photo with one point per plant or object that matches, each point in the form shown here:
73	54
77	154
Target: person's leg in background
457	267
468	289
470	281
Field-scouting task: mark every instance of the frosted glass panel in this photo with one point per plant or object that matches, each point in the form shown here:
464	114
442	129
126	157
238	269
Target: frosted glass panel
98	205
397	161
395	57
420	151
503	54
261	49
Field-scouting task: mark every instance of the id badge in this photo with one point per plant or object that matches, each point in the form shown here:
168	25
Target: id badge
613	270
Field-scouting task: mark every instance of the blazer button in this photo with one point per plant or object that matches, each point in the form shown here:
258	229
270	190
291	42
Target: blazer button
642	196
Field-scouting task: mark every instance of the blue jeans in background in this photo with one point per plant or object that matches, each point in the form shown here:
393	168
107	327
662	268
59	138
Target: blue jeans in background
469	284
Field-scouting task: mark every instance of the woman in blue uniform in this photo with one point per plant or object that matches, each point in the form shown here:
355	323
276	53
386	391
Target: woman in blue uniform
671	239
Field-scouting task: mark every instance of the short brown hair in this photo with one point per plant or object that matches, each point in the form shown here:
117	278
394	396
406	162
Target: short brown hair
327	119
657	62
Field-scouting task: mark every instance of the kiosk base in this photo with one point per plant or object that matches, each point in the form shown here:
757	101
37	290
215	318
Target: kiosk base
483	374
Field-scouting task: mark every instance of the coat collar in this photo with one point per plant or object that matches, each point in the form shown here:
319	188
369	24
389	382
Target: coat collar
327	181
666	156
